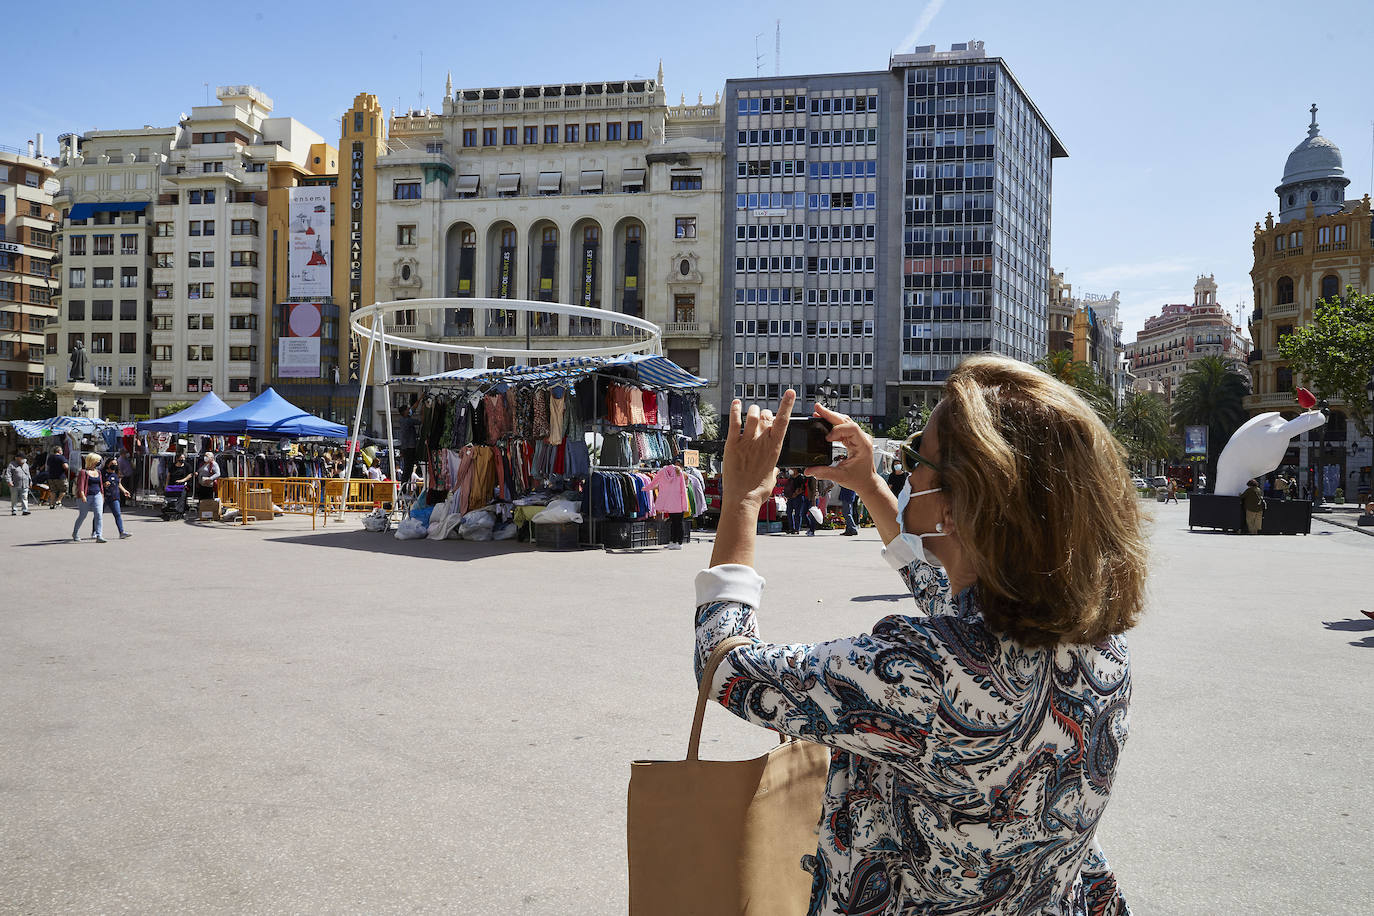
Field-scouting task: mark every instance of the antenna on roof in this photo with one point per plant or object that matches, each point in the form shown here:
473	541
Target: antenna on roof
422	79
758	57
777	49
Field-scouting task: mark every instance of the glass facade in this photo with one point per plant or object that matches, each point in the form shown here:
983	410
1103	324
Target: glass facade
976	217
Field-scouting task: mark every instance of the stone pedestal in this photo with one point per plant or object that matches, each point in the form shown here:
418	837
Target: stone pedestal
70	392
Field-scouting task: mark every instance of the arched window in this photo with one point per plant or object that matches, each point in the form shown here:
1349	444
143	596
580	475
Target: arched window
544	281
1331	286
1283	379
629	278
501	322
588	276
464	283
1284	293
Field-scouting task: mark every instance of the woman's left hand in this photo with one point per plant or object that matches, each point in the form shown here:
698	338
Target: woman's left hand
749	470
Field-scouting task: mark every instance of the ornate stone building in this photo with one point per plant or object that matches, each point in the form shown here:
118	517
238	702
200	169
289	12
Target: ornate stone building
29	260
1180	335
1319	245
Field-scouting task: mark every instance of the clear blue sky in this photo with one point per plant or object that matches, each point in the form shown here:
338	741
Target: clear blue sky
1177	116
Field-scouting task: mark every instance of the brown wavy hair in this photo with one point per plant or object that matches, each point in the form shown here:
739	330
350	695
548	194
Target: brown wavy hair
1043	504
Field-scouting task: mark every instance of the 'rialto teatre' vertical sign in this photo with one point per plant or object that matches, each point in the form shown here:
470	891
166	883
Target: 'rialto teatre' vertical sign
355	254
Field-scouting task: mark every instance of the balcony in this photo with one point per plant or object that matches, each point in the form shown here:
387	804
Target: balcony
1283	309
463	329
1256	315
1279	400
687	329
1255	356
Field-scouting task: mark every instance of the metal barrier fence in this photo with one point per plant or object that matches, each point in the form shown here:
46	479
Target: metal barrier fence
310	496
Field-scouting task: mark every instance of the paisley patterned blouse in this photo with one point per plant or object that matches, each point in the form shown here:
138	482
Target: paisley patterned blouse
967	773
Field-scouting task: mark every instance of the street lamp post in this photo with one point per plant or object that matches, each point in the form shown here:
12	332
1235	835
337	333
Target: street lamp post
826	392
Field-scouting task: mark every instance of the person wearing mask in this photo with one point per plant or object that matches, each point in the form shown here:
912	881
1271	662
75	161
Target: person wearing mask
983	727
112	488
91	498
18	477
897	478
58	471
206	475
180	474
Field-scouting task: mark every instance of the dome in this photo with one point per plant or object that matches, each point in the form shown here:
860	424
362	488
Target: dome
1314	158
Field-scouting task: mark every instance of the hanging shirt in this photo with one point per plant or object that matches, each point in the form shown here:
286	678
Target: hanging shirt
670	486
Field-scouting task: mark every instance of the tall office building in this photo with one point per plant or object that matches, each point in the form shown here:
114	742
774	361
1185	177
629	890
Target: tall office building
978	166
810	254
885	225
27	280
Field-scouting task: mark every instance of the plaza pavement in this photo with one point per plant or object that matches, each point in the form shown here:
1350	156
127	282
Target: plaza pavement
208	719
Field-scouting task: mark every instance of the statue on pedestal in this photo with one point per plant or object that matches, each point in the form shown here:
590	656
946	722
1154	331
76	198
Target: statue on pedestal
76	370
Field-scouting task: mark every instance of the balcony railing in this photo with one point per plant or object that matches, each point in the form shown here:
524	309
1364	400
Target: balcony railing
1256	315
465	329
1255	356
687	329
1274	401
1282	309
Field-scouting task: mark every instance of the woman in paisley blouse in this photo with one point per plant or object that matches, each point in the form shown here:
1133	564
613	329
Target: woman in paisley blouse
974	742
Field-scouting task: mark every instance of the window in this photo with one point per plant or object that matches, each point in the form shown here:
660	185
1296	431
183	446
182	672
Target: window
243	259
128	278
685	181
128	243
550	133
1340	235
162	230
242	354
102	244
469	136
1331	286
405	190
434	146
531	136
1285	291
243	322
243	227
76	278
76	245
128	343
685	227
193	197
76	310
193	291
162	353
634	130
162	290
593	133
100	343
243	290
208	227
612	130
405	235
128	310
212	167
570	133
163	259
488	136
103	278
509	135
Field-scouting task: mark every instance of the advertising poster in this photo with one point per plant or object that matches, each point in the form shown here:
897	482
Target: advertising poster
308	242
1195	440
298	349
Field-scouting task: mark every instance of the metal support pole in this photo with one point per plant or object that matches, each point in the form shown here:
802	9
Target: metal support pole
358	414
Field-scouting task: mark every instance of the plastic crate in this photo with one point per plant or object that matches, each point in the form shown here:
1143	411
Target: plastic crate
562	536
632	535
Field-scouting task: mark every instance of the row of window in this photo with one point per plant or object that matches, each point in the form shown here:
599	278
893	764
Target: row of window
239	385
765	168
784	200
791	294
511	136
102	310
237	290
780	135
918	139
798	232
772	392
102	278
38	295
784	359
849	104
8	349
102	244
205	259
100	342
776	327
811	264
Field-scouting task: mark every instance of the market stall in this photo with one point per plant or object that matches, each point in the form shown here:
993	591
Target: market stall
537	443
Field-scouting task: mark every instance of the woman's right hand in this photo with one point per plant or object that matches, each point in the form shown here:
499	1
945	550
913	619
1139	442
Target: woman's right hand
855	471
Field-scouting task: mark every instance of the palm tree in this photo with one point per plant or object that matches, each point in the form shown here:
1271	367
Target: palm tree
1080	376
1142	425
1211	394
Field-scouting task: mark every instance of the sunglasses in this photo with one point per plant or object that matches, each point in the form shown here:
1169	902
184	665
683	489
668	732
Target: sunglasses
911	454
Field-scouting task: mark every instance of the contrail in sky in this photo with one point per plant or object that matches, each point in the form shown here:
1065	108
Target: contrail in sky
929	13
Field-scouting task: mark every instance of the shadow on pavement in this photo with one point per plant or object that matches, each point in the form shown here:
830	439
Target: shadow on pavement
897	597
1349	626
1366	643
385	542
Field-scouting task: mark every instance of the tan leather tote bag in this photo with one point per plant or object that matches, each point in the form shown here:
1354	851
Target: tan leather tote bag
724	837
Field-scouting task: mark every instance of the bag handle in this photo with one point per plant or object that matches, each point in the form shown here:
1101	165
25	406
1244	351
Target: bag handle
708	674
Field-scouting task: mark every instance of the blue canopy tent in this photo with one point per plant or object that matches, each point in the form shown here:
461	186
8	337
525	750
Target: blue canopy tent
208	406
267	416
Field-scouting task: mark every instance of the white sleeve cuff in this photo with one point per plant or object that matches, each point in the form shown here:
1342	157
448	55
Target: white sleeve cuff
899	554
730	582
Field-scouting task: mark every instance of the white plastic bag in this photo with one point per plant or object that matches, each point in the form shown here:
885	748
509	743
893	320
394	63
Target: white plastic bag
559	512
504	533
411	529
816	516
477	525
375	520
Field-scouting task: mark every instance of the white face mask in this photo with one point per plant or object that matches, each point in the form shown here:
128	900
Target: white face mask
915	542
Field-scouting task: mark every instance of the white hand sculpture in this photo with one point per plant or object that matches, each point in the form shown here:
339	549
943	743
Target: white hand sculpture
1258	447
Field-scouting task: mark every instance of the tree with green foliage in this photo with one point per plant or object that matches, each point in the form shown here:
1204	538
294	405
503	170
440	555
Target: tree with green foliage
1334	353
39	404
1212	394
906	426
1081	377
175	407
1141	424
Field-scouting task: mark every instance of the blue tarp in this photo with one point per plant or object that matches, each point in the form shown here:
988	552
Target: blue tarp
56	426
86	211
267	416
207	406
657	371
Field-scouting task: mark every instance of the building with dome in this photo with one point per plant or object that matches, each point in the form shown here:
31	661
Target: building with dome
1319	244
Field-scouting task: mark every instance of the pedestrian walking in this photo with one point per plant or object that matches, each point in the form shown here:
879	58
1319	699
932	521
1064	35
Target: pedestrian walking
90	497
985	728
112	488
1173	492
58	471
1281	488
18	477
1252	501
847	498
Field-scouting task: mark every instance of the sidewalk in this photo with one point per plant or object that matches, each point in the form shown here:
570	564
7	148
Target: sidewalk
1344	518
